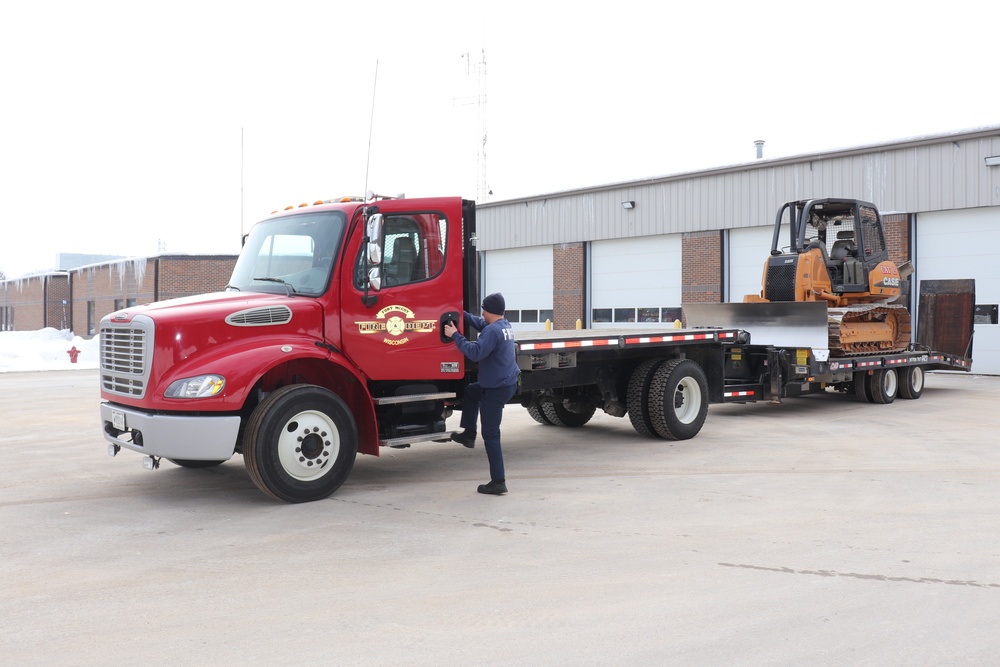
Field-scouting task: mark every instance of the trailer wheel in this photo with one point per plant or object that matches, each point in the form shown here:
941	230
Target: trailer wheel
190	463
300	443
883	385
559	415
911	385
861	387
678	399
537	414
637	399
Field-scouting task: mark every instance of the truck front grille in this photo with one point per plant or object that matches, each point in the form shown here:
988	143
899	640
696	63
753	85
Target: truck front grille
126	356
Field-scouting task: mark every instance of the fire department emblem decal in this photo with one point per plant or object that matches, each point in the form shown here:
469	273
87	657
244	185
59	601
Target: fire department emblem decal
396	321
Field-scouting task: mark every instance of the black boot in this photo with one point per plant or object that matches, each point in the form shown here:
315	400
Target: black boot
466	437
496	487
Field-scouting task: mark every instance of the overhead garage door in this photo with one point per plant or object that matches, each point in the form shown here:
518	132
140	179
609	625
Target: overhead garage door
635	281
966	244
524	277
749	248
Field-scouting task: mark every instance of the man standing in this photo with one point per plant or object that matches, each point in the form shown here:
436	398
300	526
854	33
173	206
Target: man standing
498	377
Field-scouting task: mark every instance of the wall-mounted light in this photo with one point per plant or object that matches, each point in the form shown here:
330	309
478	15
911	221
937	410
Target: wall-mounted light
993	161
627	205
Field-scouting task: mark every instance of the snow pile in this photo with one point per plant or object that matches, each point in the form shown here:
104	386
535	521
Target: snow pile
45	350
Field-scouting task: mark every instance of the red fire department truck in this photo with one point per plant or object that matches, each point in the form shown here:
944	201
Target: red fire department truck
328	342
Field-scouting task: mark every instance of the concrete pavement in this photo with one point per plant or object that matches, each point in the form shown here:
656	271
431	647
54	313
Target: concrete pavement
823	531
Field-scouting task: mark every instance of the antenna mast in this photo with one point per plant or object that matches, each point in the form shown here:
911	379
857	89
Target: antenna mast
479	69
371	123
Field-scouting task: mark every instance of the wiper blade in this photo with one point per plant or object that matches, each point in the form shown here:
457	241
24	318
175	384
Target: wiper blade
288	286
233	287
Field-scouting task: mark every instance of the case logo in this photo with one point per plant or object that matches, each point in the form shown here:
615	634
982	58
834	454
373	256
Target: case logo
396	321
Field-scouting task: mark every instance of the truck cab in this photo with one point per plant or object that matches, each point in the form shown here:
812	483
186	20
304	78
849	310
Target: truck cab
326	342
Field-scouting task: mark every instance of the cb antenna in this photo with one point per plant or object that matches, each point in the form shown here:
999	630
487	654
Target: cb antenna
371	123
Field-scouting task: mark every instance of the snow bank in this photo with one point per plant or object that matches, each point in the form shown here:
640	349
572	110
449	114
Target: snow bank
45	350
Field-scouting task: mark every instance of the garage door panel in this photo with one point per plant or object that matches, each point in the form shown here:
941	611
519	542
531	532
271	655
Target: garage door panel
524	277
635	273
965	244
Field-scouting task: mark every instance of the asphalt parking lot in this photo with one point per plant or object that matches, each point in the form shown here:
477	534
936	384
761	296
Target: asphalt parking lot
822	531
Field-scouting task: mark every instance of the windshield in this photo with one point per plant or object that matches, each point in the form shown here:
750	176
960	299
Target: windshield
290	255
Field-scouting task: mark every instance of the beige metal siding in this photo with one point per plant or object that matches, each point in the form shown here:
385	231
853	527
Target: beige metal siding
928	174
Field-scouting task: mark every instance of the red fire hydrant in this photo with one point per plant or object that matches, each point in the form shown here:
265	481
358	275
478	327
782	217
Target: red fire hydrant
73	354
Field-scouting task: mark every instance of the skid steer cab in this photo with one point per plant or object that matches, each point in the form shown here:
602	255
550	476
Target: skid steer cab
326	342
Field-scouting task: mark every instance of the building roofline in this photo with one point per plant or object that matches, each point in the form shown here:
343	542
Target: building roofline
763	163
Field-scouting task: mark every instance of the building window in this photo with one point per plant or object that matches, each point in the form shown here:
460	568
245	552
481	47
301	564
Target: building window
118	304
91	322
129	303
986	313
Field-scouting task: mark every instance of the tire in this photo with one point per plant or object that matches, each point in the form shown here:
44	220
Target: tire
189	463
883	385
678	399
537	414
637	399
300	443
558	415
911	384
861	387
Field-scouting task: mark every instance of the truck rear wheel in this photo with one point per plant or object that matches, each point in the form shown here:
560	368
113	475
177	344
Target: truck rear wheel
559	415
911	384
536	413
883	385
861	387
300	443
637	400
678	399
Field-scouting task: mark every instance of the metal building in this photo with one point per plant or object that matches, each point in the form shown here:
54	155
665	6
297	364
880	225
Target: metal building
636	251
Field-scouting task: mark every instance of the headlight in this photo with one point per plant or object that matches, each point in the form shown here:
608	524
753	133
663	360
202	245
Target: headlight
202	386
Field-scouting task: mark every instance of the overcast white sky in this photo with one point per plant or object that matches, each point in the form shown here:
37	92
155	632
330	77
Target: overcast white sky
122	124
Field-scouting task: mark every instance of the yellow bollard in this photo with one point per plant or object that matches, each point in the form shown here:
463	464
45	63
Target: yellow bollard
677	324
579	324
548	325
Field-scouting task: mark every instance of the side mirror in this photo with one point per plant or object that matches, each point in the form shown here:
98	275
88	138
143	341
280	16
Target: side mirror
373	231
375	278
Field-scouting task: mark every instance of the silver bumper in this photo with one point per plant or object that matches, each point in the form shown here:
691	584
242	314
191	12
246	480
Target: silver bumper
173	437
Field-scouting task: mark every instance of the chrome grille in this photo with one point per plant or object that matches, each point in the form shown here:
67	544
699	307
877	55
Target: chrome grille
126	353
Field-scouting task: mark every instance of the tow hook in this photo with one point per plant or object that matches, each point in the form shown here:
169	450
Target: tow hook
150	462
113	450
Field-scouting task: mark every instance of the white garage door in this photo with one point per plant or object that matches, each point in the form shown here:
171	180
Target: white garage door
966	244
635	280
749	248
524	277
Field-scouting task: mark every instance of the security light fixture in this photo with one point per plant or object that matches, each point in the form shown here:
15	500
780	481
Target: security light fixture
993	161
628	205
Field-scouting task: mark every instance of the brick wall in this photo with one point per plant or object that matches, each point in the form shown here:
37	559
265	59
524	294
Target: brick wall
24	303
897	236
568	285
105	284
701	265
187	275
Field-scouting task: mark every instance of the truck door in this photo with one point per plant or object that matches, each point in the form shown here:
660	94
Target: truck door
392	330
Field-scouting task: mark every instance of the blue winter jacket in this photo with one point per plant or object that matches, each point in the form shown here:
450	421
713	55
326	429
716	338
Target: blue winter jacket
494	350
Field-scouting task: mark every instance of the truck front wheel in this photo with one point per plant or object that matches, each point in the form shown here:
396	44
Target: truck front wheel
678	399
300	443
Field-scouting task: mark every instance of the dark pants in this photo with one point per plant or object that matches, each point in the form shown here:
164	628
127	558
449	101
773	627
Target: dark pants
487	403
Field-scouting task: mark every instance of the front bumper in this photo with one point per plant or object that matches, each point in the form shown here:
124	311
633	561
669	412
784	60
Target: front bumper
197	438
